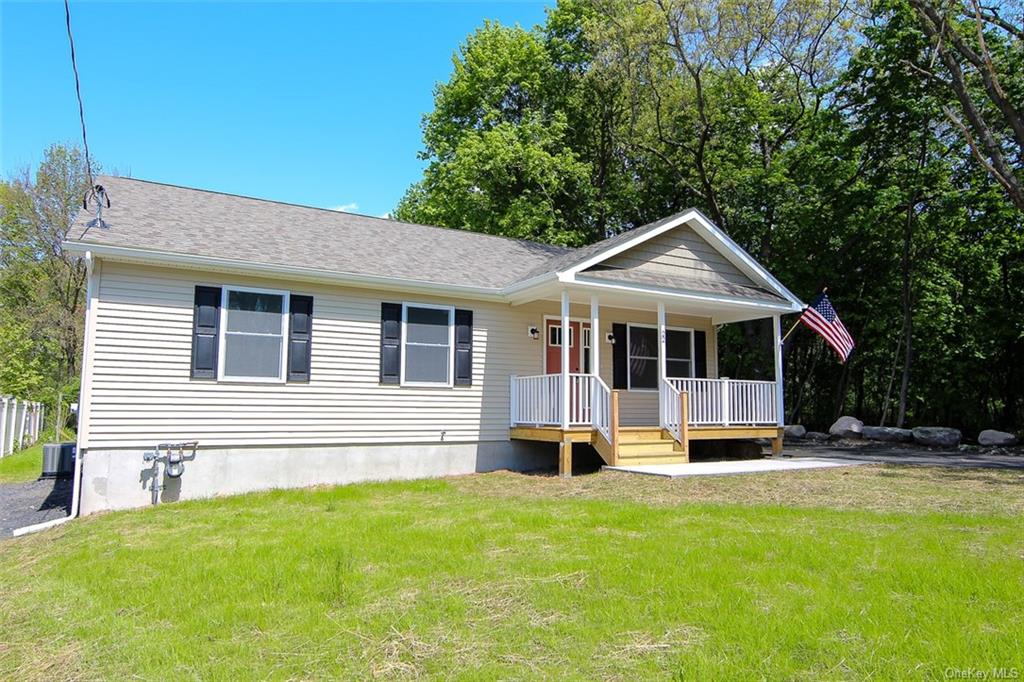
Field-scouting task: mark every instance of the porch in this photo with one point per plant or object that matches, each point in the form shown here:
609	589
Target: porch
665	414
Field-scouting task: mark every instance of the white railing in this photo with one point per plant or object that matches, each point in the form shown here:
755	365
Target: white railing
670	403
581	392
752	402
725	402
20	424
601	408
538	400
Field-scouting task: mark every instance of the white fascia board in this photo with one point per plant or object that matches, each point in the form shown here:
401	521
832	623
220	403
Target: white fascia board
707	229
732	302
743	260
281	271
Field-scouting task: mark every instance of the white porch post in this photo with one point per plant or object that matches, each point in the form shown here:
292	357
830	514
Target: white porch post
566	336
779	407
662	371
595	338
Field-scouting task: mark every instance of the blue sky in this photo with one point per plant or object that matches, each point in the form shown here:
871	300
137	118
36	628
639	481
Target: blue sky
312	103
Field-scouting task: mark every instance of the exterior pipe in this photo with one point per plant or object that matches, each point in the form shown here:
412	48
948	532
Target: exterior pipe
76	479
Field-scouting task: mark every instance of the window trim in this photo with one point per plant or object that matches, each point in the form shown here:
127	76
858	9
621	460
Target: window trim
451	346
282	376
629	374
693	348
572	336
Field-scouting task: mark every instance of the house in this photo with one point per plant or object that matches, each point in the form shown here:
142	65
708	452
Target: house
300	346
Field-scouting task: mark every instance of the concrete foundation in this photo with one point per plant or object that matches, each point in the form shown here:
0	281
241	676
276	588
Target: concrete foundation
121	479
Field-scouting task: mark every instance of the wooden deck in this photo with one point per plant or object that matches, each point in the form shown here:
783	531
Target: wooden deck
639	444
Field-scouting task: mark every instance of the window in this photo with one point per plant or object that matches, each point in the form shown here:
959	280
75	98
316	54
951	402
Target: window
642	345
679	353
555	335
427	344
586	350
254	329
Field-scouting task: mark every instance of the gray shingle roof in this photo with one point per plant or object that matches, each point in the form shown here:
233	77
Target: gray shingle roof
150	215
179	220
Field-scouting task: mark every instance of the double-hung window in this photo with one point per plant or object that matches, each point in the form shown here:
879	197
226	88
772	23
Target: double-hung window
428	340
678	353
643	349
254	327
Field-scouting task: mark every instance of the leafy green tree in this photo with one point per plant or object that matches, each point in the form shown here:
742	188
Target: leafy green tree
42	289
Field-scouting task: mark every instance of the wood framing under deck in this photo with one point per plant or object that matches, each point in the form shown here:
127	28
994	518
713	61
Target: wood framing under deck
639	444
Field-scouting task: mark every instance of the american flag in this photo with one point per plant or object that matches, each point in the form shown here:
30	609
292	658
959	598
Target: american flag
822	318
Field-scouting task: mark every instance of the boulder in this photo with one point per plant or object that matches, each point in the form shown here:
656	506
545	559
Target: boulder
816	435
991	437
847	427
794	431
889	434
937	436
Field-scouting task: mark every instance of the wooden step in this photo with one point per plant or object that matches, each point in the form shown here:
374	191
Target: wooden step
655	459
646	448
640	435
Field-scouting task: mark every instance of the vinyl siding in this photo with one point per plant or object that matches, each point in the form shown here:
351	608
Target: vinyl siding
142	395
680	251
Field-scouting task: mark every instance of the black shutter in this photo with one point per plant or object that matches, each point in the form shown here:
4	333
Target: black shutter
390	343
205	332
700	350
620	357
463	347
300	337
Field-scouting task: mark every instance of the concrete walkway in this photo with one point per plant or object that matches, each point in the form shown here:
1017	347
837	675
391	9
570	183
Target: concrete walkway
25	504
736	466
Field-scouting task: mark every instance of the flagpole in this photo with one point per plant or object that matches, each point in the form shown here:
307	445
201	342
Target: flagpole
797	323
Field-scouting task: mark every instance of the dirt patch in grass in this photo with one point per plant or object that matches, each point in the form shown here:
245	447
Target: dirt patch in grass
882	488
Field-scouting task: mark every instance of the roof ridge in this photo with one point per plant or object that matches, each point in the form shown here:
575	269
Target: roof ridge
564	249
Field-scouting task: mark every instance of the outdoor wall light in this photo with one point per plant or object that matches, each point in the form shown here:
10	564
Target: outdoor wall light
534	333
610	338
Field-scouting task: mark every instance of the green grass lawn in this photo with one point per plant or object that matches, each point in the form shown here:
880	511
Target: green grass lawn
27	465
22	466
607	576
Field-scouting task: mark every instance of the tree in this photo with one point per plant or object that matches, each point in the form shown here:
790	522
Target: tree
498	146
978	57
42	289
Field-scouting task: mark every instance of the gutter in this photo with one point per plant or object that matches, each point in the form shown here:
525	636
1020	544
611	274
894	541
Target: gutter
76	480
283	271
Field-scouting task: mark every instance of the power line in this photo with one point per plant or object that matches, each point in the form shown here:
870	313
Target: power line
81	108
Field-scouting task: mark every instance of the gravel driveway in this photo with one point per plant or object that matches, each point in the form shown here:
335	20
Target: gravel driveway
23	504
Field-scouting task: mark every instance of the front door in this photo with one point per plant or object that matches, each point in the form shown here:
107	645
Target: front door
579	347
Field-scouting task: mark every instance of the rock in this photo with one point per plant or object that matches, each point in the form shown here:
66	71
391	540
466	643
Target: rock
847	427
937	436
816	435
991	437
794	431
889	434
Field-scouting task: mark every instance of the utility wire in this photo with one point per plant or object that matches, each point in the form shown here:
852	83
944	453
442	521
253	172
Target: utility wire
81	109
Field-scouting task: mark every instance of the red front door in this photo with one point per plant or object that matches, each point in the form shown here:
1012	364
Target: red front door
579	347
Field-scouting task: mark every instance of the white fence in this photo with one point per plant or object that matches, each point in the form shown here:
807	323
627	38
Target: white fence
726	402
20	424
